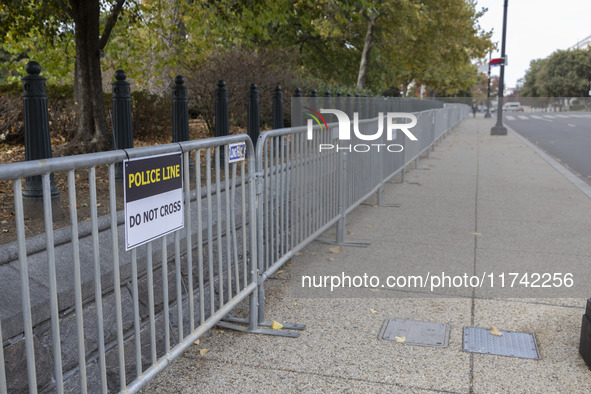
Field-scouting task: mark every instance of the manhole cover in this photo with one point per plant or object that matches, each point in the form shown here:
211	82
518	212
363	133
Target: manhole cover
510	344
415	332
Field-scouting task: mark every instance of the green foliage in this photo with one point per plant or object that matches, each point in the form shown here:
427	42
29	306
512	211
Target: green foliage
565	73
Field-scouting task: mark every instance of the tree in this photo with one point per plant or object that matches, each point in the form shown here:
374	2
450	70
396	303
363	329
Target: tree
54	21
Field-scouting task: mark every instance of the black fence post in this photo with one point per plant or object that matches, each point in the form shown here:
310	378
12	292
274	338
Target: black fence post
222	117
253	121
278	108
37	141
327	100
296	109
338	101
364	107
349	105
180	111
314	100
180	115
121	116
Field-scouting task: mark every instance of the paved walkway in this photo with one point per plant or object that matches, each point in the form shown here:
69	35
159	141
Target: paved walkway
481	204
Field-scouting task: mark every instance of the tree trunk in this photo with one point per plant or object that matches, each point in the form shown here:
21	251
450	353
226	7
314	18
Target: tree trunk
92	134
363	64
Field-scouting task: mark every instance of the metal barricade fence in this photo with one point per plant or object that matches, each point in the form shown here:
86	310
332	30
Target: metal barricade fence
304	190
244	221
112	315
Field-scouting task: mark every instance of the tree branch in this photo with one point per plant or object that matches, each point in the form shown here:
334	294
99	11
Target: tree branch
110	23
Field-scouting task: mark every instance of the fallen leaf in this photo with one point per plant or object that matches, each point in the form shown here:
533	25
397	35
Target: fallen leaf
280	272
220	331
288	264
197	342
4	231
203	352
495	331
295	303
555	188
369	226
477	234
4	221
336	249
349	232
374	311
276	325
400	339
330	259
298	254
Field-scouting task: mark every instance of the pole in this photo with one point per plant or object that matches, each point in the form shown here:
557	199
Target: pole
499	129
487	114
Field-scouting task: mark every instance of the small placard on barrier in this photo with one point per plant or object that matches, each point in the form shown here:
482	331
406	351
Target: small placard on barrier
237	152
153	198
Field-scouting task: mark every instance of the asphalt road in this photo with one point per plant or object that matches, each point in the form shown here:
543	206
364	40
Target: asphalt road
564	135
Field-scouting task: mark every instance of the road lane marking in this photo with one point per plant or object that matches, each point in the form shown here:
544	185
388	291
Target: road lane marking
549	116
572	125
522	117
540	118
509	117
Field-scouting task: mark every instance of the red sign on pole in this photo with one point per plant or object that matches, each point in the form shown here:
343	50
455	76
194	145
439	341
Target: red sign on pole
499	61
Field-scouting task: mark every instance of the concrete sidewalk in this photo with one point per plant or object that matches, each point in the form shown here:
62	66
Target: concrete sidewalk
480	204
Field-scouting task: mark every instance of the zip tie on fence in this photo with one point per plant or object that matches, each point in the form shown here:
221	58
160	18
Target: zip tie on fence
256	175
126	154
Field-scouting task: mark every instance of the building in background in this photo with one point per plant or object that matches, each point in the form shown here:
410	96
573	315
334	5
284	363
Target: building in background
582	44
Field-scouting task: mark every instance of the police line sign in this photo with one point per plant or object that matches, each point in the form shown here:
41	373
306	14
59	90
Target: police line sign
153	198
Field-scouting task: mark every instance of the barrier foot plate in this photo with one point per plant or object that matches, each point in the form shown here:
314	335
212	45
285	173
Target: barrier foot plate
278	333
357	244
242	320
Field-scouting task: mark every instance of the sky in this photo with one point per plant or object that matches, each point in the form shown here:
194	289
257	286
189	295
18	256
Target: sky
535	29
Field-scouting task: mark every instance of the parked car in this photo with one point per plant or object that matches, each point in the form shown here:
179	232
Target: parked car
513	106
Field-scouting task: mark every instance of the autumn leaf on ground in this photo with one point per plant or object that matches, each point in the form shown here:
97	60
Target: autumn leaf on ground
276	325
495	331
203	352
330	259
197	342
369	226
295	303
298	254
288	264
220	331
336	249
374	311
280	272
400	339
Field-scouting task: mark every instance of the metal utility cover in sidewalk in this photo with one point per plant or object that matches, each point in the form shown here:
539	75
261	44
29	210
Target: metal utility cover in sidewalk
510	344
415	332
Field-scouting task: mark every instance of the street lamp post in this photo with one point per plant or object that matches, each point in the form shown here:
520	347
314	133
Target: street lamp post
487	114
499	129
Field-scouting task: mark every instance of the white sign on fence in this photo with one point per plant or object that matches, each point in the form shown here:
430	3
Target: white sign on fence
153	198
237	152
